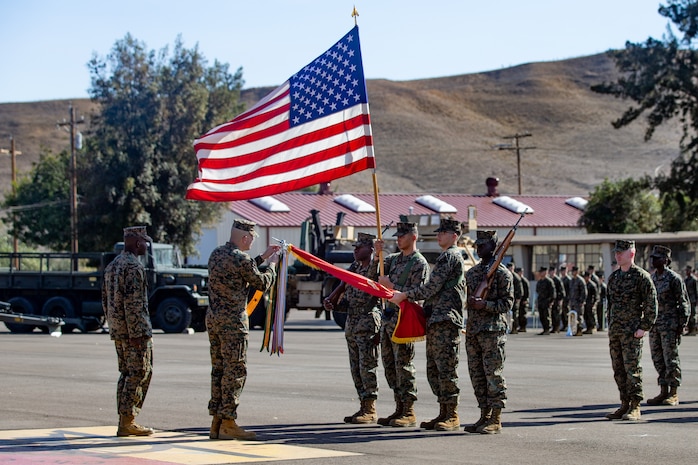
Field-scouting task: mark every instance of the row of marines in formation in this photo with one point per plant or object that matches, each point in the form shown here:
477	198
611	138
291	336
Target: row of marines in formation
446	293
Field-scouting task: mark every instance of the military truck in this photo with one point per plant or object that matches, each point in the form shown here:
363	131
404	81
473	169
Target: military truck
68	286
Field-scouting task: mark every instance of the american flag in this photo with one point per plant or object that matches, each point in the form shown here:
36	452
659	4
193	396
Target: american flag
312	129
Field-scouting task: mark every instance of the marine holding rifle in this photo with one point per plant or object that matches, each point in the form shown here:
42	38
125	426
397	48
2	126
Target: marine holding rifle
490	298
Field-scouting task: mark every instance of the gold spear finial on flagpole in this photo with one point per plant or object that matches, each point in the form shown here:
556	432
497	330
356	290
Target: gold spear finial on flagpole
355	14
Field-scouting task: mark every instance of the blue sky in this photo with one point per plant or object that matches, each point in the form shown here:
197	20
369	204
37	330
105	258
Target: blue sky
45	45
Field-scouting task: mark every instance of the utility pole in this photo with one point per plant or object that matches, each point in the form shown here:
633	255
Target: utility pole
518	149
13	155
73	177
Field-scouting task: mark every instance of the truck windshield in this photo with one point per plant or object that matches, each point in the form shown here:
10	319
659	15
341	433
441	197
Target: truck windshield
165	257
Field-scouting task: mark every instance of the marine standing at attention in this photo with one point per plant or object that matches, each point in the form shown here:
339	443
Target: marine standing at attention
545	290
125	303
231	274
444	301
672	319
404	270
485	335
692	288
362	330
632	310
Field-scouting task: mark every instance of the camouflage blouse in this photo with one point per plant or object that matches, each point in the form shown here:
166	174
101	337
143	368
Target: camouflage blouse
231	273
672	299
444	293
632	301
125	298
499	299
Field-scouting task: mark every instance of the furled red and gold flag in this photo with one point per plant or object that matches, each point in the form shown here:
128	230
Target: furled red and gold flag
411	325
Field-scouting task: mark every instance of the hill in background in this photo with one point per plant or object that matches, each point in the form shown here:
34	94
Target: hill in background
441	135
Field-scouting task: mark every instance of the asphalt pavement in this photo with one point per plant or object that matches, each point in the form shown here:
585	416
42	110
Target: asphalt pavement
58	405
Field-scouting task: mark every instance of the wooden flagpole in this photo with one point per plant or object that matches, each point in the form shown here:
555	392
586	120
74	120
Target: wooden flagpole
355	14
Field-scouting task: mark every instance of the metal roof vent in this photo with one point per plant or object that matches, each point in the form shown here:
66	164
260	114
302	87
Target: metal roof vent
577	202
354	204
435	204
270	204
512	204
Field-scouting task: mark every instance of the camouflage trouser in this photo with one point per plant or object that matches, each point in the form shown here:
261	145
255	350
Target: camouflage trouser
664	347
590	316
136	368
555	316
544	314
564	312
626	361
228	370
398	363
360	333
443	344
523	319
486	357
600	316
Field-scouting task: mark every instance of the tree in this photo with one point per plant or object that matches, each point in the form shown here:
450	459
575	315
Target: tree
660	78
40	206
622	207
139	158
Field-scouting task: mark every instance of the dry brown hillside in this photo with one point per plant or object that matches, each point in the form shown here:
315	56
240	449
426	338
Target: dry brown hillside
439	135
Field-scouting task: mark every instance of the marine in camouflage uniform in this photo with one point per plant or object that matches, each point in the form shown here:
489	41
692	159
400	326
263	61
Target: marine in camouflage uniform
545	290
590	304
444	300
632	310
564	310
578	297
692	288
556	308
125	304
672	318
525	296
518	294
362	330
485	335
231	274
405	270
601	305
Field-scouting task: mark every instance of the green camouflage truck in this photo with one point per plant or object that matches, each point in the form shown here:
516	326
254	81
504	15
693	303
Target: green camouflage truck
69	286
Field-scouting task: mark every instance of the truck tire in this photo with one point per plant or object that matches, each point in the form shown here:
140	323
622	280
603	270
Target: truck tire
59	307
20	305
340	318
172	316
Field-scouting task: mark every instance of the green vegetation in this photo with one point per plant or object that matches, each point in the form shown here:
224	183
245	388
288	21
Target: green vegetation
138	157
660	78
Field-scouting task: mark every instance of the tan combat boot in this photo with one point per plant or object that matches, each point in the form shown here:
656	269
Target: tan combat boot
494	424
673	397
634	411
215	426
663	394
450	422
622	410
230	430
368	413
385	421
350	418
128	427
407	418
485	414
431	423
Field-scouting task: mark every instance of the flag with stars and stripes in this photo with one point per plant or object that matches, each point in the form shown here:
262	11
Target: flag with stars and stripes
312	129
